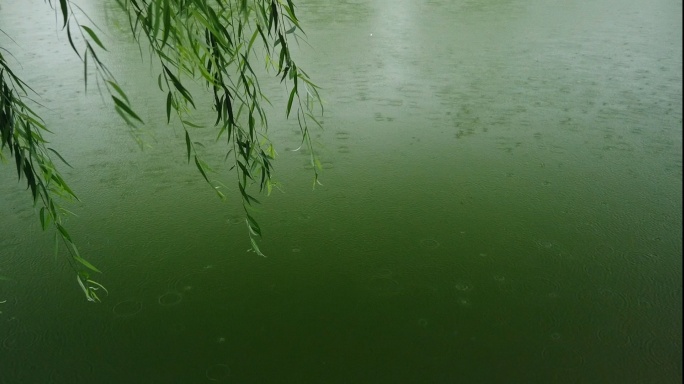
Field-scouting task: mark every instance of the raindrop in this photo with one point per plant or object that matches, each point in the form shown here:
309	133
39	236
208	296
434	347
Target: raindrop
658	353
170	298
127	308
463	302
384	286
429	243
463	286
20	339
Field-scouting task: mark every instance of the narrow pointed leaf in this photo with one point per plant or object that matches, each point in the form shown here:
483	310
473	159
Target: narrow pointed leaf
167	22
86	263
201	169
64	232
169	100
119	90
188	144
255	247
93	36
43	222
125	108
63	6
289	101
60	157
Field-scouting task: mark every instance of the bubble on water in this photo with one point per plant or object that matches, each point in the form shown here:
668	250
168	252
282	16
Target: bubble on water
463	302
658	348
499	278
555	336
235	219
543	244
463	286
429	243
190	281
170	298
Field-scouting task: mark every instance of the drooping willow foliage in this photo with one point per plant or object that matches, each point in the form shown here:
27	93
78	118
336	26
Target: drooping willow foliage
217	43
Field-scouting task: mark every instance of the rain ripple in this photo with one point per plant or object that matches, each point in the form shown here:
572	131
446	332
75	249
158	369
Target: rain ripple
21	338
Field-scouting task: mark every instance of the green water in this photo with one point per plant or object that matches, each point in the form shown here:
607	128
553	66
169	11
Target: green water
502	203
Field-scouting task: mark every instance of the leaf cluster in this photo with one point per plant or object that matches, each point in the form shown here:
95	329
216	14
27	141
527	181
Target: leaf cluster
215	43
22	135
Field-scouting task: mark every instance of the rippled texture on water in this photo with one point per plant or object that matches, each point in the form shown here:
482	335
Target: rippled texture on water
502	202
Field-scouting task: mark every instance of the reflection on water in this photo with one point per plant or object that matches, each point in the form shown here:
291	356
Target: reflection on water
501	202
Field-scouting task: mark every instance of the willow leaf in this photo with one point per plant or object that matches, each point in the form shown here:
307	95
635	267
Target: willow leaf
86	263
93	36
188	144
125	108
289	101
63	6
169	100
201	169
71	41
167	22
63	231
118	90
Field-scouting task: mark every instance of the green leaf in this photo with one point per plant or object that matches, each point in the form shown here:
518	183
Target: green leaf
85	69
63	6
169	100
118	90
86	263
289	101
43	221
167	22
191	124
126	108
60	157
93	36
71	41
255	247
179	86
188	144
64	232
201	169
253	225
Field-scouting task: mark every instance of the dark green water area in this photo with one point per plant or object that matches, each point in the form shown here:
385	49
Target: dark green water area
501	203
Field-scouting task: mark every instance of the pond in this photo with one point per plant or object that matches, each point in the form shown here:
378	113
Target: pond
501	203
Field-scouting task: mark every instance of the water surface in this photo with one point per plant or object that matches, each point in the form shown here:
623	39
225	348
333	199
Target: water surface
501	202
